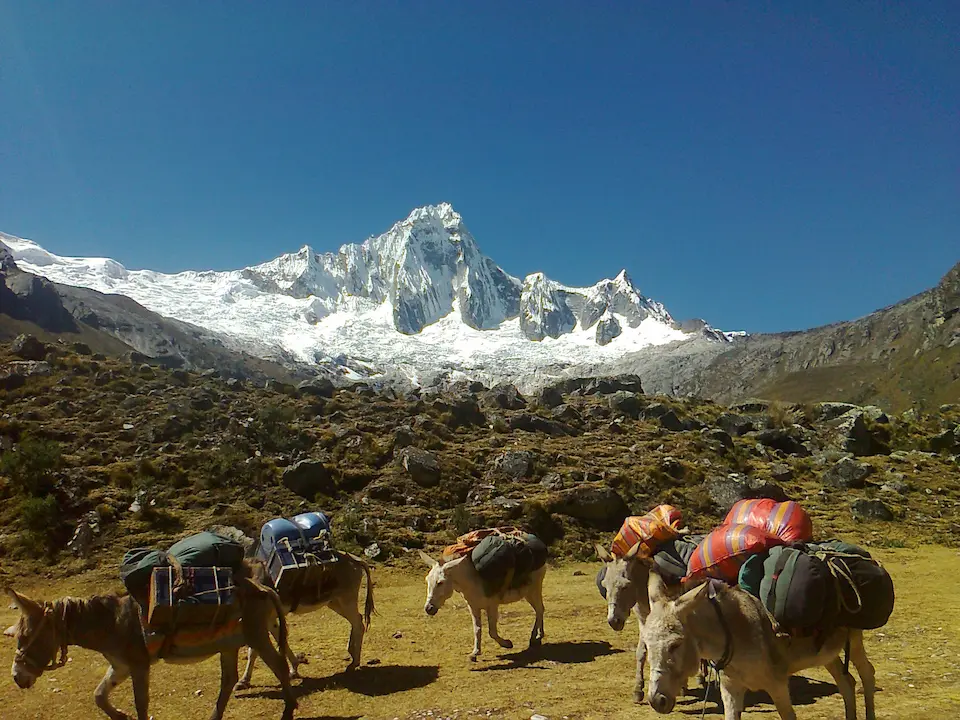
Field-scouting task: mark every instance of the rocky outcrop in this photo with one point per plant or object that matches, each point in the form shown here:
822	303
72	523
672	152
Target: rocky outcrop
543	309
307	478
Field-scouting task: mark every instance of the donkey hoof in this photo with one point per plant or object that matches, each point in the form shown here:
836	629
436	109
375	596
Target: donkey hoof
473	658
638	696
506	644
535	642
242	685
352	666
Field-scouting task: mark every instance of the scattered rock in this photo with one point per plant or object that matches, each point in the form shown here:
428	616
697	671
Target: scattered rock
786	440
550	397
372	551
827	411
28	347
553	481
308	477
504	396
535	423
611	384
29	367
851	433
946	442
403	437
10	380
735	424
781	472
670	421
422	465
718	436
601	507
725	491
317	387
626	403
513	464
278	386
871	510
847	473
567	414
81	348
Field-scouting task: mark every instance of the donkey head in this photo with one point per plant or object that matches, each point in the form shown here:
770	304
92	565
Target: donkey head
439	586
671	650
623	582
37	641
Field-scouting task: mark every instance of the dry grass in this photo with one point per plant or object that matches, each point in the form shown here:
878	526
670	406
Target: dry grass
584	671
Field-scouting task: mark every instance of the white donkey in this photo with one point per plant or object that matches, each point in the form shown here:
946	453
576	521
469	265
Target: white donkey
732	629
460	575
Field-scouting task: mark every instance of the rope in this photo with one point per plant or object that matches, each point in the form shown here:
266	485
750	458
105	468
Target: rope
706	689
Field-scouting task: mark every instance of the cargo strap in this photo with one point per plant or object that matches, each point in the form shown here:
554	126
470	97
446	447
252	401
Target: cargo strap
727	656
840	571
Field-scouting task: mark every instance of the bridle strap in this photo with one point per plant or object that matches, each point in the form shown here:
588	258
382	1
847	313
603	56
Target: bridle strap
727	656
60	635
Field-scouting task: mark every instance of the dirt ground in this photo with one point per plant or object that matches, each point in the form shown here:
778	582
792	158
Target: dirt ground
416	667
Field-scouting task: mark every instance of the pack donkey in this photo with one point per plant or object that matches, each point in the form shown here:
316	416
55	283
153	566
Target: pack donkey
110	625
730	628
461	575
336	586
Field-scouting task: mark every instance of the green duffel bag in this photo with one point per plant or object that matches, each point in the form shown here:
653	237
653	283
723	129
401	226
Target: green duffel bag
137	567
798	590
207	549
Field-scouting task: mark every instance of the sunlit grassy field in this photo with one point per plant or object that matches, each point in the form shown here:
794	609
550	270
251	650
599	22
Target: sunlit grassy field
416	666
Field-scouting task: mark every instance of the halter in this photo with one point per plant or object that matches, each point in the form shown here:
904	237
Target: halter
727	656
22	655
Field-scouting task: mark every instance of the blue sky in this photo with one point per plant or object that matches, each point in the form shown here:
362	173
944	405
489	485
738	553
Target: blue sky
767	166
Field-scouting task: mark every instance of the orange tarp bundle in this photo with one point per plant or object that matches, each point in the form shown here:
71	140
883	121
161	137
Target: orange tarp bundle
466	543
656	527
721	553
787	520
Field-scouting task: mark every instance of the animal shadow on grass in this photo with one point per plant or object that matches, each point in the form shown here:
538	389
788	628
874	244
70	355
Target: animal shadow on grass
564	653
803	691
372	681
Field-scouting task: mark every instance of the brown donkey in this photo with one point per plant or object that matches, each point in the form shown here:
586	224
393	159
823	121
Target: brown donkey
110	625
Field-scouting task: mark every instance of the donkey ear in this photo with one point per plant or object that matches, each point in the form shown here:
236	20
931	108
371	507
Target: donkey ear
657	588
603	553
23	603
427	559
689	601
10	631
633	552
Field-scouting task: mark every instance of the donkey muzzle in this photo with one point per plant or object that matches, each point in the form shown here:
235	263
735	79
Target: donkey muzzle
430	609
24	680
661	703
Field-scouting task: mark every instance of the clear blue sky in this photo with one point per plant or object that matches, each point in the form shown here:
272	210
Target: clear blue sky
765	165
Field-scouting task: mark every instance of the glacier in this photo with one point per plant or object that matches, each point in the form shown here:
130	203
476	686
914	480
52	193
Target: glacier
418	301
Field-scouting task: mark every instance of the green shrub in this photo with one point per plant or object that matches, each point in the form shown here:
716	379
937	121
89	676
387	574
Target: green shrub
31	464
39	518
461	520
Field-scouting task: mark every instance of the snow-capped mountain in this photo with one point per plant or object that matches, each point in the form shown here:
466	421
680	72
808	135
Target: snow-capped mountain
419	299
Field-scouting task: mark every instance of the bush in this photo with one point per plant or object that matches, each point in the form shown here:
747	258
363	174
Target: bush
39	518
31	464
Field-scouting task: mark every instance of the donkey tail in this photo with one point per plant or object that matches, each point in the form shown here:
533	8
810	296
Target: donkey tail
368	606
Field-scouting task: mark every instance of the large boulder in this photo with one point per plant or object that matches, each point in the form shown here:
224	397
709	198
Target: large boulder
852	432
735	424
464	410
535	423
306	478
422	465
948	441
504	396
847	473
317	387
29	348
871	510
786	440
626	403
725	491
716	435
601	507
513	464
550	397
611	384
827	411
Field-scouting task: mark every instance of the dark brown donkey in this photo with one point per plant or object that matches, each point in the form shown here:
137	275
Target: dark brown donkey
110	625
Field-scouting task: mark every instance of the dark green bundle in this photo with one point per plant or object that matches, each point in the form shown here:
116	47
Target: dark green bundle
505	562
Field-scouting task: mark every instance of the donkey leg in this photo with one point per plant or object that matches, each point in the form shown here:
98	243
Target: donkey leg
535	598
732	694
244	682
865	670
113	677
347	609
228	680
477	633
493	614
845	686
274	660
638	686
141	691
781	698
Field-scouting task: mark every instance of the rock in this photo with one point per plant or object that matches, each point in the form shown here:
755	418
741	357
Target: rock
201	403
718	436
946	442
673	467
180	375
781	472
626	403
670	421
513	464
317	387
10	380
421	465
535	423
735	424
654	411
725	491
567	414
875	414
827	411
504	396
692	423
601	507
28	347
29	367
847	473
608	328
611	384
786	440
870	510
234	383
751	406
372	551
896	484
553	481
87	529
550	397
403	437
466	412
510	509
278	386
136	358
851	433
81	348
308	477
